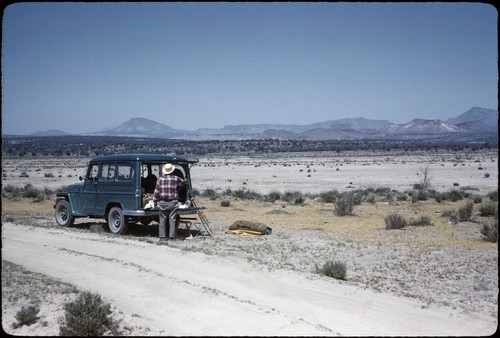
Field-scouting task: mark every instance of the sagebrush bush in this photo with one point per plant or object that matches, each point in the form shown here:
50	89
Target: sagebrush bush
210	193
26	316
225	203
418	194
11	192
489	209
402	197
273	196
245	194
456	195
370	199
464	213
452	195
395	221
477	199
337	270
421	221
357	198
490	231
31	192
329	196
294	197
382	191
88	315
345	204
299	200
493	196
28	191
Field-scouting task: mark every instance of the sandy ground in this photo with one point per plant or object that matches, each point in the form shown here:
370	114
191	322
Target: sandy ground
399	284
172	292
313	173
304	172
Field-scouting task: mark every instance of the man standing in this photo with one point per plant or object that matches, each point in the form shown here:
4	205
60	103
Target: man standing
167	196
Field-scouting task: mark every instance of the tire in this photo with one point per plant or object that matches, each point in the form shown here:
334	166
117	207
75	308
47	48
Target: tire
63	214
117	222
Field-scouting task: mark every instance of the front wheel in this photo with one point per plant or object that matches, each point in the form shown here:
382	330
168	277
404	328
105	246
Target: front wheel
64	216
117	222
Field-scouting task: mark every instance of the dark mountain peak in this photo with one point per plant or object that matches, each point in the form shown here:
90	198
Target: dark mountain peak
142	123
142	127
488	116
140	120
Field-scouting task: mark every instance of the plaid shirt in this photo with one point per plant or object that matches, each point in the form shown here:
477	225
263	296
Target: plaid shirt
166	187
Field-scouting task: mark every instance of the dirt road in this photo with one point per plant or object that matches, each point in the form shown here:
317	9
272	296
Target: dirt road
175	292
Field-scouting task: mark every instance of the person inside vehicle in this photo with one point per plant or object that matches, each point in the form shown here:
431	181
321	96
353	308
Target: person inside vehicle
182	189
149	183
166	196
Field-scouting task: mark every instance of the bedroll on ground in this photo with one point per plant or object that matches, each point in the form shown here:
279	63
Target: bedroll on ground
249	228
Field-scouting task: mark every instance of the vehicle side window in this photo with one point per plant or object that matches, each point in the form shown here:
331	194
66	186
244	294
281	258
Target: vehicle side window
156	169
125	171
108	172
93	172
144	170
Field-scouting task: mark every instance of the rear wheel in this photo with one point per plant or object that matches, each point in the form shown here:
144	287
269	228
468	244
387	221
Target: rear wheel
117	222
64	216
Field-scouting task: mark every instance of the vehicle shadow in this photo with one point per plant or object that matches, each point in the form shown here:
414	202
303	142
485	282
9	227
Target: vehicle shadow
136	230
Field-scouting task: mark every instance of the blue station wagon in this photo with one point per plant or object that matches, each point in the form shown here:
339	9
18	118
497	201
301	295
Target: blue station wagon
119	189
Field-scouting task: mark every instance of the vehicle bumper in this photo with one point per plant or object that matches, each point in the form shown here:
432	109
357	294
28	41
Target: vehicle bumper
154	212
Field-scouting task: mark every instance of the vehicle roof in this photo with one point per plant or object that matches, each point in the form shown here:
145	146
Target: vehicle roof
142	157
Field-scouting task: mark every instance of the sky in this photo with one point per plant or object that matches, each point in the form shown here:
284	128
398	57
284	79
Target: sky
84	67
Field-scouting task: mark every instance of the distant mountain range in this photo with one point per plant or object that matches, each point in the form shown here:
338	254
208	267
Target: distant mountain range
475	121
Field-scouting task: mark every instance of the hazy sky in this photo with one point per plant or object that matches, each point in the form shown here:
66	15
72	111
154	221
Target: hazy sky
83	67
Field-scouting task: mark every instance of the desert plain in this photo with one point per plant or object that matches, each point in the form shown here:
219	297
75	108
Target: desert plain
434	280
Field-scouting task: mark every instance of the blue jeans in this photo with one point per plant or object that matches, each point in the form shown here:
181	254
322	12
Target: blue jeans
168	213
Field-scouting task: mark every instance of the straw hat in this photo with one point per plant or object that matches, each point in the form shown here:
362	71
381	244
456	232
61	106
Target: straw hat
168	169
